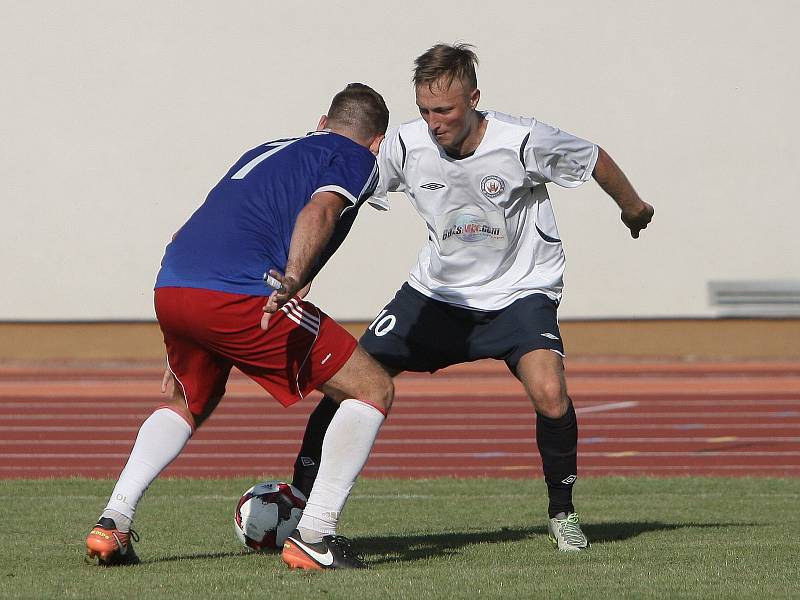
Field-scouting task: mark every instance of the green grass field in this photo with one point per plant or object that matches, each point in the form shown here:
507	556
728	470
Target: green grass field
445	538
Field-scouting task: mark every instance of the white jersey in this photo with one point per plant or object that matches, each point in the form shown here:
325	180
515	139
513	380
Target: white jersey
492	236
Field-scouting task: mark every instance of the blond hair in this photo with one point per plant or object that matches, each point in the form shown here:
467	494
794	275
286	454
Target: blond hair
445	63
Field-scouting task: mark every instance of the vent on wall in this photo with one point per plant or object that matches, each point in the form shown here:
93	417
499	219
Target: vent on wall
755	298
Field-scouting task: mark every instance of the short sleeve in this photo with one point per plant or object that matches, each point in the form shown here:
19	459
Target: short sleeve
554	155
390	169
352	171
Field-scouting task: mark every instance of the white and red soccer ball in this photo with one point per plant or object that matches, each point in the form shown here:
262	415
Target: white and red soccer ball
266	515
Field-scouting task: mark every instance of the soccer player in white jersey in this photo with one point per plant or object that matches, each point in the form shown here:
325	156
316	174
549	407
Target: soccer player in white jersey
488	282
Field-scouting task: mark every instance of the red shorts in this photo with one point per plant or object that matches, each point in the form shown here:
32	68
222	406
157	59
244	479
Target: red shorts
207	332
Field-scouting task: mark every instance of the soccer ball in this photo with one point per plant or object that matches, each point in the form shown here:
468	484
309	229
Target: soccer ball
266	515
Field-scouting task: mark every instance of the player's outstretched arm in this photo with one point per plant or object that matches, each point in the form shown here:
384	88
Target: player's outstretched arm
636	213
312	231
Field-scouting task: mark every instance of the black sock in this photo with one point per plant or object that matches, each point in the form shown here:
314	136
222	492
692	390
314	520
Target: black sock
307	463
558	446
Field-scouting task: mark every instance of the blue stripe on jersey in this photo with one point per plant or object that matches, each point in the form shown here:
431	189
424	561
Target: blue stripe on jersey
245	225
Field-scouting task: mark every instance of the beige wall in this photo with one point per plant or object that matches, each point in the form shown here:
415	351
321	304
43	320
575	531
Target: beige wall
116	119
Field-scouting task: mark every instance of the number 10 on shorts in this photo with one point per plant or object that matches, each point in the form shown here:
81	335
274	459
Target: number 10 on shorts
382	324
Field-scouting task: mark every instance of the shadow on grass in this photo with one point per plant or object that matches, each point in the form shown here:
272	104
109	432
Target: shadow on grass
420	547
409	548
600	533
198	556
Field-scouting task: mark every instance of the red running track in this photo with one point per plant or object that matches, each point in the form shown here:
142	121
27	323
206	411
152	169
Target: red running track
636	418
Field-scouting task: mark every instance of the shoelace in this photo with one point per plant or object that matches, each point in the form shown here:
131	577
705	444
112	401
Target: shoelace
346	547
571	530
131	533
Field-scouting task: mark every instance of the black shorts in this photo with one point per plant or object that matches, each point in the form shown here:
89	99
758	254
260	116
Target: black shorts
417	333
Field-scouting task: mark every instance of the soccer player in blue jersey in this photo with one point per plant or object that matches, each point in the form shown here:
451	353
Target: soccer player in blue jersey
278	214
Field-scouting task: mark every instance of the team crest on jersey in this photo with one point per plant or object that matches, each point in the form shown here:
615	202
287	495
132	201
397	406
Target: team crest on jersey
492	186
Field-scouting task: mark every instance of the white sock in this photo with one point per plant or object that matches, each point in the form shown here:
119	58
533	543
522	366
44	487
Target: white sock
161	438
345	449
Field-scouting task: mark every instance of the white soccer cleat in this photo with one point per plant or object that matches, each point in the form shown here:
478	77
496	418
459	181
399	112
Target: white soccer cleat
564	531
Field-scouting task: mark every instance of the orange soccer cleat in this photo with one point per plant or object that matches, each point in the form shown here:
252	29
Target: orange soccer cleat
108	546
333	552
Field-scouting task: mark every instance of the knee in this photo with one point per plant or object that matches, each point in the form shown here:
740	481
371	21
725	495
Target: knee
389	393
376	391
362	378
550	398
383	392
179	407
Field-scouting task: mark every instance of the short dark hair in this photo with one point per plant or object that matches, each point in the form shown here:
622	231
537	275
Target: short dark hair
445	63
360	109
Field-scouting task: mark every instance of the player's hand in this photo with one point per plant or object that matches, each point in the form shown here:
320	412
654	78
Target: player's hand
289	287
638	218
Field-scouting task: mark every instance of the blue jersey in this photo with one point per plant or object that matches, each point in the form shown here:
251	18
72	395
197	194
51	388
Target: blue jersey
245	225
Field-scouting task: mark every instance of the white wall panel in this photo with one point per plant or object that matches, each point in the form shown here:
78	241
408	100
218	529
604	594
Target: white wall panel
116	119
